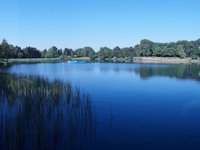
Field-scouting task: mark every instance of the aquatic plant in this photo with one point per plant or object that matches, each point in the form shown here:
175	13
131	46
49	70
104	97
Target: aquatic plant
36	113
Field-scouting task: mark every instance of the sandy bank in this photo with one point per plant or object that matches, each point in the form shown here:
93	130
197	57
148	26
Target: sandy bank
165	60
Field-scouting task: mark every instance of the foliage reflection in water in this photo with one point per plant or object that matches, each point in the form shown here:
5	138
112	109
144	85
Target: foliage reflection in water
38	114
191	72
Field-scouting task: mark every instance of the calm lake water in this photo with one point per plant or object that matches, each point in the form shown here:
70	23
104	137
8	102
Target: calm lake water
134	106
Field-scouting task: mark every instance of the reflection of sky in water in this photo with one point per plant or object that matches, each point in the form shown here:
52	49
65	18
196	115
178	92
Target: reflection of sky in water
137	105
118	78
115	82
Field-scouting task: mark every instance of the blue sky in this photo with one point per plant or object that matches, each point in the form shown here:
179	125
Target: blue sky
97	23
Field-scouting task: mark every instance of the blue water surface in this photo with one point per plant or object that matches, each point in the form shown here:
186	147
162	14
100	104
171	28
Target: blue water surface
137	106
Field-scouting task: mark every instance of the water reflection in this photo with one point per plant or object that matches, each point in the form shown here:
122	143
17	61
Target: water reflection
173	71
145	71
38	114
132	114
91	72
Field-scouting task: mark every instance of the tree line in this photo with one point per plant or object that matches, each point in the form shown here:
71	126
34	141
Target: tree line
145	48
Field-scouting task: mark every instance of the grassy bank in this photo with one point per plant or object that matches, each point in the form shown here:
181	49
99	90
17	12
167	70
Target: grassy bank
4	62
34	60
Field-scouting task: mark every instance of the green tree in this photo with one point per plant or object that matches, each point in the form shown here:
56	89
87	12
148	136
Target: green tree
68	52
52	52
31	52
44	53
157	51
180	51
195	53
18	52
85	52
60	52
117	52
105	52
6	50
144	48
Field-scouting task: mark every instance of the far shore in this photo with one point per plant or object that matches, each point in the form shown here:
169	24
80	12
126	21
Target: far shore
141	60
5	62
165	60
155	60
33	60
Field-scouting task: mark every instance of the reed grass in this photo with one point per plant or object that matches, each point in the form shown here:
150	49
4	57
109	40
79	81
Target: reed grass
36	113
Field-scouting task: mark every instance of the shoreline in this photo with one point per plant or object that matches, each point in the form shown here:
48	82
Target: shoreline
141	60
5	62
33	60
165	60
153	60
